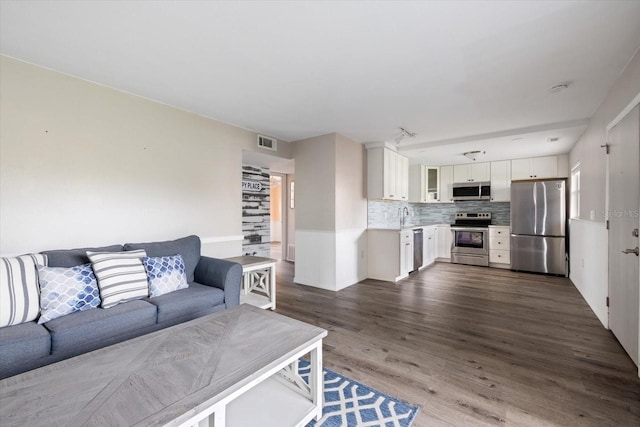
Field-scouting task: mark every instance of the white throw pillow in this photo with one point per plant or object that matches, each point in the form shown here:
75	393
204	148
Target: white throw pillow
121	276
19	292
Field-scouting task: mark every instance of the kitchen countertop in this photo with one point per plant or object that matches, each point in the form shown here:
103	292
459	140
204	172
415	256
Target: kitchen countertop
404	227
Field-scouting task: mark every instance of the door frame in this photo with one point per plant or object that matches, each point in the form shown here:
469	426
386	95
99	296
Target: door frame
626	110
284	213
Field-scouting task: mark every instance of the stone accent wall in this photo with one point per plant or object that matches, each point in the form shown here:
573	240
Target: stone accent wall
255	212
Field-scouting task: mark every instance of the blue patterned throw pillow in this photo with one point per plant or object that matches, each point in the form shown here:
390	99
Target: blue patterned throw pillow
66	290
165	273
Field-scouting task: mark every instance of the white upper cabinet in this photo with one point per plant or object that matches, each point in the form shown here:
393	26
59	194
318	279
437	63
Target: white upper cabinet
387	174
446	179
424	184
471	172
534	168
402	177
501	181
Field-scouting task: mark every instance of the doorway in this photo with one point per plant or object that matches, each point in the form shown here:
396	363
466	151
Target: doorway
623	216
280	214
275	250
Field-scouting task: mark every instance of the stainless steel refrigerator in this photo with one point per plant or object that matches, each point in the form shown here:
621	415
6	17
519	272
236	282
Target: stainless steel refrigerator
538	224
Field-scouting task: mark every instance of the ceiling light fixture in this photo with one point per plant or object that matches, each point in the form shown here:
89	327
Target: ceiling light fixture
558	87
473	155
403	134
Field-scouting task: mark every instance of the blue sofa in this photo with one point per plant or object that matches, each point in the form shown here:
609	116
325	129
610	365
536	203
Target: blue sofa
214	285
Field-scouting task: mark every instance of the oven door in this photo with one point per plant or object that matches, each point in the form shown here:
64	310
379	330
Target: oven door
470	240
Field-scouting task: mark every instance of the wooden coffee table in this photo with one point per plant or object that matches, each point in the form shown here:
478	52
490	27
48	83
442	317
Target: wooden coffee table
237	367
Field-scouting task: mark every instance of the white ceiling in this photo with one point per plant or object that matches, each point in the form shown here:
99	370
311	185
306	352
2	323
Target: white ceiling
476	72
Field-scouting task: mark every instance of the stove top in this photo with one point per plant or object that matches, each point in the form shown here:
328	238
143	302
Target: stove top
480	219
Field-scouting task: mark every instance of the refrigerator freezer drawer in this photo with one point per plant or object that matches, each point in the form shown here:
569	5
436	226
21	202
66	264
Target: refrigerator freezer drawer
538	254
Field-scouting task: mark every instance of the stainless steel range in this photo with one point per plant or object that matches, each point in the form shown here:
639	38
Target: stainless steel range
470	244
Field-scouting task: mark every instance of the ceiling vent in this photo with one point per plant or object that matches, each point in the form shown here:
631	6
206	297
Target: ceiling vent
268	143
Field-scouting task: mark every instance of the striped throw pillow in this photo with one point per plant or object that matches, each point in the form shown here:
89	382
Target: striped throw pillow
121	276
19	291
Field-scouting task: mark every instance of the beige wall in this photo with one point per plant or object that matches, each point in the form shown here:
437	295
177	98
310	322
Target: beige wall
587	150
83	164
331	212
315	183
351	202
291	221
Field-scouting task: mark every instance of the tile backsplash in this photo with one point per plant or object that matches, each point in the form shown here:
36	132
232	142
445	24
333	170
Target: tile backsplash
386	214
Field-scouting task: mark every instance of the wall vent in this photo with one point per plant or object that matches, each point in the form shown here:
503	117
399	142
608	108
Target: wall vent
268	143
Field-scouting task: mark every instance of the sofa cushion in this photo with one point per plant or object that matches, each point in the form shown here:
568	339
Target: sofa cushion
87	330
121	276
19	291
187	304
23	343
188	247
73	257
66	290
165	274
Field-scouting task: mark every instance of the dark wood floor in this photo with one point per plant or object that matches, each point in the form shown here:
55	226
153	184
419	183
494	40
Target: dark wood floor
474	346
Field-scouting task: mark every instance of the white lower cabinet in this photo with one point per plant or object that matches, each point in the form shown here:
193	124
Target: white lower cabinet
499	246
429	248
443	242
390	254
406	252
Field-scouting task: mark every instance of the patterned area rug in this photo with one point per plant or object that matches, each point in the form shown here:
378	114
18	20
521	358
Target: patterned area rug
348	403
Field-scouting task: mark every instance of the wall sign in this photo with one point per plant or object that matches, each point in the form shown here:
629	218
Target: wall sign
251	186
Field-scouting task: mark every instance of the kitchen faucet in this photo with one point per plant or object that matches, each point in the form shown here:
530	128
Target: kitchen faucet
403	213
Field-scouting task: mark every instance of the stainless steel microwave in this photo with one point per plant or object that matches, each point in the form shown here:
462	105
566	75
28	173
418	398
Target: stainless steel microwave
472	191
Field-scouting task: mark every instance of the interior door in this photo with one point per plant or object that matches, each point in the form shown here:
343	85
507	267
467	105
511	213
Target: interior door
624	204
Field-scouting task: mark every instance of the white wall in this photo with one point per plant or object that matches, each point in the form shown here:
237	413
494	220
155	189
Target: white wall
589	247
82	164
588	150
592	245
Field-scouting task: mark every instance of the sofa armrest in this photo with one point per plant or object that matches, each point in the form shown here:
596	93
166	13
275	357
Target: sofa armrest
222	274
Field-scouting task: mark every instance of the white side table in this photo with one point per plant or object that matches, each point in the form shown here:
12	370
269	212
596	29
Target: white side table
258	281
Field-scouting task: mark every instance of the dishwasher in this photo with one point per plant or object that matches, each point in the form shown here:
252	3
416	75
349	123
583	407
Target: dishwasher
418	237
